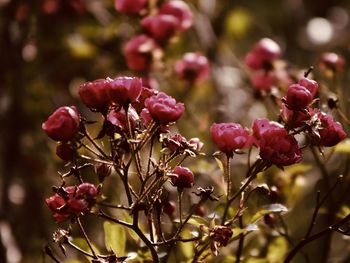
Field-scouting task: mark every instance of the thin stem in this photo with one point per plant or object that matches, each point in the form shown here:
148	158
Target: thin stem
86	237
180	193
314	215
241	241
113	206
87	135
306	241
228	176
79	249
112	219
200	252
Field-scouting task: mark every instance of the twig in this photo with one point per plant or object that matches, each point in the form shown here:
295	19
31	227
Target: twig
86	237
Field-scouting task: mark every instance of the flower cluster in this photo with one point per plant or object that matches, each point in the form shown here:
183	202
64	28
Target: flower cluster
72	201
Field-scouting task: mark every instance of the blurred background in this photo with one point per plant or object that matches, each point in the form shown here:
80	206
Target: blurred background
49	47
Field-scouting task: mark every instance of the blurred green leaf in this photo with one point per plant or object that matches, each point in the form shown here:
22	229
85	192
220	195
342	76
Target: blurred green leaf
238	22
272	208
344	211
197	221
115	238
187	248
79	46
343	147
81	243
298	168
277	250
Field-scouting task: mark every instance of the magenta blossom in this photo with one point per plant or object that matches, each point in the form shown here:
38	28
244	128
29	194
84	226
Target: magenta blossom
230	137
160	27
94	94
182	177
164	109
331	132
181	11
123	90
193	67
276	145
63	124
139	52
130	6
298	97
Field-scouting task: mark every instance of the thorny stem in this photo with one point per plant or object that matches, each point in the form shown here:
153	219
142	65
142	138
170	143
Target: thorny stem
86	237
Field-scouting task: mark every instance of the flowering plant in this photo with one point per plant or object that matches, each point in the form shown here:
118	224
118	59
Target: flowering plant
140	179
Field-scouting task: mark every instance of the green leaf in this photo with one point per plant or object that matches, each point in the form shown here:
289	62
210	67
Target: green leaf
197	221
343	147
272	208
81	243
277	250
115	238
187	248
298	168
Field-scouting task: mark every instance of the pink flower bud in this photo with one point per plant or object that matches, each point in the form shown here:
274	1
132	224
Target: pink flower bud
63	124
181	11
183	177
310	85
160	27
229	137
139	52
123	90
193	67
94	94
130	6
164	108
298	97
65	152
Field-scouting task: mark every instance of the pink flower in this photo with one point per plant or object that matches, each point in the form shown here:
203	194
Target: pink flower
193	67
331	132
181	11
310	85
71	200
63	124
65	152
123	90
263	54
276	145
267	49
332	61
263	80
139	52
164	108
130	6
221	235
230	137
118	118
182	177
94	94
293	119
298	97
160	27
